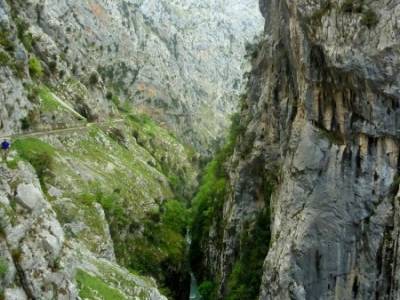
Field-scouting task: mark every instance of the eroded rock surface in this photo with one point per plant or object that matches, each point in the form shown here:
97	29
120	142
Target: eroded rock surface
321	124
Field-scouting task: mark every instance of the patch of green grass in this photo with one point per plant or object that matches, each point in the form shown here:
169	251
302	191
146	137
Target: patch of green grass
38	154
92	287
115	99
48	102
35	67
3	267
369	18
12	164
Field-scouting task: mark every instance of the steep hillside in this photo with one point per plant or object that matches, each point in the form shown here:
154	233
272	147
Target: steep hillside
91	197
309	201
178	61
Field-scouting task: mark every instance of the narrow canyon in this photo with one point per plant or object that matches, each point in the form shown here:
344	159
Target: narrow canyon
212	150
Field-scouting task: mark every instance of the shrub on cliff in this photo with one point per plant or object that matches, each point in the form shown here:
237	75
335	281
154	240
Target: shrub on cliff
35	67
351	6
93	78
369	18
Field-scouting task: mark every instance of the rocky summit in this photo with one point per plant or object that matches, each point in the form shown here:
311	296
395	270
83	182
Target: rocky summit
203	150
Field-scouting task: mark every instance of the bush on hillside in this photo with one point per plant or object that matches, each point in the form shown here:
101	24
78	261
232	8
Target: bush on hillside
35	67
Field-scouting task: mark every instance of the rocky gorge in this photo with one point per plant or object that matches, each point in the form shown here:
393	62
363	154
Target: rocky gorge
308	195
110	107
179	149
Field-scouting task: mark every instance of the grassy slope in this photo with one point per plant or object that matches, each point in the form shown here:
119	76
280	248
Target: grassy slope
133	171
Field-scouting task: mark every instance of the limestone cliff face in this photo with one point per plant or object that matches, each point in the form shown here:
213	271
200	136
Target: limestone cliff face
322	128
179	61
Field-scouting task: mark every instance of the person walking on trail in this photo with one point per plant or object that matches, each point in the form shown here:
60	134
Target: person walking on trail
5	146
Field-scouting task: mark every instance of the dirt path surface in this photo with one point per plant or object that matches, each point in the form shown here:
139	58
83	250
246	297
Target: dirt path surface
60	130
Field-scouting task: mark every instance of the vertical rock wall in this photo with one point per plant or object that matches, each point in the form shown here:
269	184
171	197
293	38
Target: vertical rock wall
321	119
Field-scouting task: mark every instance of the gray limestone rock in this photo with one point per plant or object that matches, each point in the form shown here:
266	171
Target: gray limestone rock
322	113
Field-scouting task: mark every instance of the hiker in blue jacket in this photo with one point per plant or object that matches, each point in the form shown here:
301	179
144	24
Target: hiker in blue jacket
5	145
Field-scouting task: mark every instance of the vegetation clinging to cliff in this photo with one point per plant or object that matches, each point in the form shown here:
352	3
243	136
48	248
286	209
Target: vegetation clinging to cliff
208	202
208	212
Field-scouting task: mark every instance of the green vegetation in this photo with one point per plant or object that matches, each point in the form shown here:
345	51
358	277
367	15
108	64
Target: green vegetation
25	123
3	268
38	154
369	18
53	66
6	40
129	186
175	216
209	200
92	287
113	98
19	69
93	78
153	242
5	59
207	290
48	102
35	67
352	6
324	9
17	66
245	279
161	251
25	37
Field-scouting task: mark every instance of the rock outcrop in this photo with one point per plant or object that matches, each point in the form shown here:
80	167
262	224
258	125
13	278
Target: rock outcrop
39	260
319	153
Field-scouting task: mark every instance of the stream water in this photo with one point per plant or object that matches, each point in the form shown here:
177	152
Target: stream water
194	292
